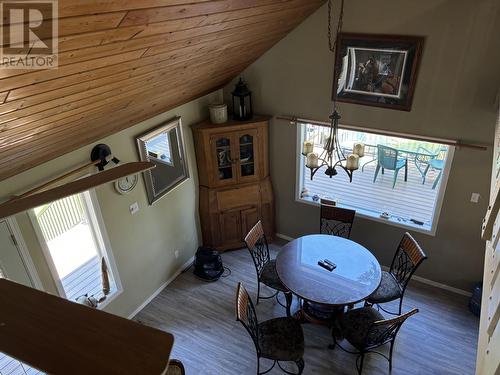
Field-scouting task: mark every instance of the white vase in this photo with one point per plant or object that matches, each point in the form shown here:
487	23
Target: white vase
218	113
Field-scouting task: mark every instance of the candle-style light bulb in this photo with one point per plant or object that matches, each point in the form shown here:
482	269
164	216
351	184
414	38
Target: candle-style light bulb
312	160
307	147
352	162
359	149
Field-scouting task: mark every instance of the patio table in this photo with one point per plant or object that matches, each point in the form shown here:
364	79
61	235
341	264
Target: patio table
403	150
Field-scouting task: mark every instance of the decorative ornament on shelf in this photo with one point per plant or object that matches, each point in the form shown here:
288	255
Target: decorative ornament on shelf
242	102
218	113
332	156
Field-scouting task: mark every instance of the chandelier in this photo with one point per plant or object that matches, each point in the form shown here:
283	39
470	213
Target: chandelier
332	156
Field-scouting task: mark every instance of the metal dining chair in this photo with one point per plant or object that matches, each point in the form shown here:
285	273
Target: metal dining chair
278	339
334	220
388	158
175	367
408	257
265	267
366	329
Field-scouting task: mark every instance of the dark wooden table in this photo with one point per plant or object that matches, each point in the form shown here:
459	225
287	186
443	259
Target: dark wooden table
62	337
356	276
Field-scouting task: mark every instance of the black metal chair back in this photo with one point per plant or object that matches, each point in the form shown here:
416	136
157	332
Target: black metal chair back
385	331
408	257
335	221
257	246
246	315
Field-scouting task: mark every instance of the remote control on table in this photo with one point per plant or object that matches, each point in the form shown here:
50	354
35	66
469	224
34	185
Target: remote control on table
325	265
327	261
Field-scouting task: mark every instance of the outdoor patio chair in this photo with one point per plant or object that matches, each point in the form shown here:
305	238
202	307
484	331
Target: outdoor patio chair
388	158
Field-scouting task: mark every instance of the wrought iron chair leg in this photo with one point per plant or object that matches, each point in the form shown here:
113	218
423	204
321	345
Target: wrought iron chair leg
332	346
361	360
289	298
390	355
268	370
406	170
300	365
400	304
258	291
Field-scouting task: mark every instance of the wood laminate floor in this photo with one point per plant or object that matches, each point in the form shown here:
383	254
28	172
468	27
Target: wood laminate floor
441	339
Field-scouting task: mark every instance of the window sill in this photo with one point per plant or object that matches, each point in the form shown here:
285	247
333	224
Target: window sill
365	214
111	297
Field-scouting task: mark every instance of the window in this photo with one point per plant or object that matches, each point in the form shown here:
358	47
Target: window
75	245
399	181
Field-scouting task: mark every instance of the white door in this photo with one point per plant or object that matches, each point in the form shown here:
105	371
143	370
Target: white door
12	264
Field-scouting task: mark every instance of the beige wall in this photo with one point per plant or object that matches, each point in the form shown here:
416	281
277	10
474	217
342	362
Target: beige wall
143	244
454	98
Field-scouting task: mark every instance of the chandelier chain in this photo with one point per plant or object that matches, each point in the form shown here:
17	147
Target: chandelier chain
332	44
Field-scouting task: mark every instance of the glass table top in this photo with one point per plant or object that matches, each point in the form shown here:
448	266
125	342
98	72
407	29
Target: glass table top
356	276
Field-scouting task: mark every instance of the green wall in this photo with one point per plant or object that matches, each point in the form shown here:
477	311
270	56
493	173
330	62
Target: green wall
454	98
143	245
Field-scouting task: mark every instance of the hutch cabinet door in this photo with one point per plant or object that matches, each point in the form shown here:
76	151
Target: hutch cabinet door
223	156
249	218
249	155
230	225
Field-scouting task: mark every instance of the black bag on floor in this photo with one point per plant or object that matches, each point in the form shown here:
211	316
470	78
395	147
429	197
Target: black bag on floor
208	264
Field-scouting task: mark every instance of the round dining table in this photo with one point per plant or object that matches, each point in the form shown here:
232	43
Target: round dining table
355	276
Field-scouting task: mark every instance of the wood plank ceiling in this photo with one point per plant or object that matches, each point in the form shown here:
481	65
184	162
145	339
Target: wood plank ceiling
121	62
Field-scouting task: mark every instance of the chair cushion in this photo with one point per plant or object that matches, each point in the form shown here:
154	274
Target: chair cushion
356	323
281	339
436	163
269	276
388	290
400	163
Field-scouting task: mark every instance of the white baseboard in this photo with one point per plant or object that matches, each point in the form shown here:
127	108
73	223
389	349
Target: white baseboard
284	237
442	286
163	286
417	278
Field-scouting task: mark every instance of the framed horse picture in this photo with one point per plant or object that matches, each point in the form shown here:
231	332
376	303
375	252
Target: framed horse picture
377	70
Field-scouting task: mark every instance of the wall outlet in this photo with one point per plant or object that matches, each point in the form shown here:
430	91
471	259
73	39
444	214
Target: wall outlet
474	198
134	208
176	253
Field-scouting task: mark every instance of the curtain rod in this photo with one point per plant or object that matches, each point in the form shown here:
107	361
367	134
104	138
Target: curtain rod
444	141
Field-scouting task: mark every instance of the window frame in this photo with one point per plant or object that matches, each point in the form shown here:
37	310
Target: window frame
99	234
299	177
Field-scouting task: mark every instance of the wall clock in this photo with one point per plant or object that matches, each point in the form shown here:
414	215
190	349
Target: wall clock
126	184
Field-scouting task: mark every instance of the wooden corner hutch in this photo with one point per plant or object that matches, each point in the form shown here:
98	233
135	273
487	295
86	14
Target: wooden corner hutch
235	186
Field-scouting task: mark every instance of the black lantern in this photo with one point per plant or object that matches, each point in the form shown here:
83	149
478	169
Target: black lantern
242	102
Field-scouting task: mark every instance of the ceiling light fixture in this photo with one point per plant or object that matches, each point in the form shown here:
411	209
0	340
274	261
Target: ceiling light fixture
332	156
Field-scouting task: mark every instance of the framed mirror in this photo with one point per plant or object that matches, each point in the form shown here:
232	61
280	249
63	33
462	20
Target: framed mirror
163	146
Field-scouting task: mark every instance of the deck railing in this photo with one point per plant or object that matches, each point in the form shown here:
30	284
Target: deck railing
60	216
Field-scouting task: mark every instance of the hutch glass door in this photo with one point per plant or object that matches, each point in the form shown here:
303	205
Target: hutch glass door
248	163
224	172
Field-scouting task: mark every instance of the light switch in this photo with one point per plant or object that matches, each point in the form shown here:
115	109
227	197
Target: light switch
474	198
134	208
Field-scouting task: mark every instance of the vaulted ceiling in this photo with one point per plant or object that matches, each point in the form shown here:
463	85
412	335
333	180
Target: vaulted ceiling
121	62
